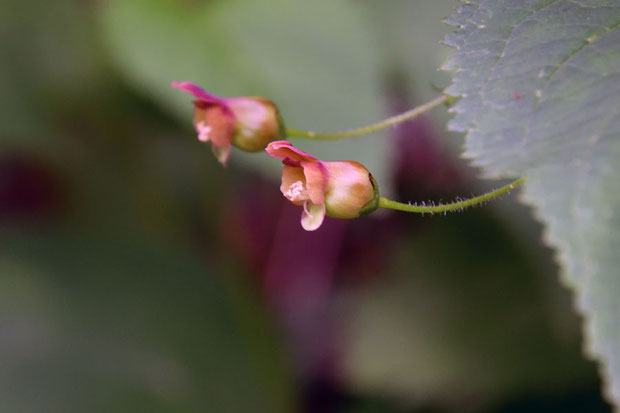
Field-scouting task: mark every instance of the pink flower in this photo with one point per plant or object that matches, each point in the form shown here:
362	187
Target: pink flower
249	123
341	189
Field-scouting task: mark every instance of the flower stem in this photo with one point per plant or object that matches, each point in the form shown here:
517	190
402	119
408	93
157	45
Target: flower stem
365	130
454	206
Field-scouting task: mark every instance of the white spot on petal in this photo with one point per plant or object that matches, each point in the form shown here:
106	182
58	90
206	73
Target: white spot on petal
295	191
203	131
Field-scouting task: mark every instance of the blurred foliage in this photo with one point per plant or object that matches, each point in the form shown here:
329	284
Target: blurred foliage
126	325
480	314
133	268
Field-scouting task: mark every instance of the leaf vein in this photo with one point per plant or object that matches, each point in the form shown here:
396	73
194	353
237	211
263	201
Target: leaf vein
572	54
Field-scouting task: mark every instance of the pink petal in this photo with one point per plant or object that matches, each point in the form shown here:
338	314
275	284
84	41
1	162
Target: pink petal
285	150
222	124
312	216
198	92
222	153
316	181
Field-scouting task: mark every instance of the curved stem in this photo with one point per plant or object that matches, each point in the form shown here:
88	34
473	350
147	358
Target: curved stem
365	130
432	209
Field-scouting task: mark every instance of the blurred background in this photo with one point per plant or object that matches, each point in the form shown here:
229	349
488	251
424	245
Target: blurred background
137	274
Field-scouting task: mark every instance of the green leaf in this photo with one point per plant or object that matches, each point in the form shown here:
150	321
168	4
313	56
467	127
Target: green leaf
315	59
539	83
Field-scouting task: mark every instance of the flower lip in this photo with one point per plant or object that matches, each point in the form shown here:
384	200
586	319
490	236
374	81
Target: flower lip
204	99
198	92
289	155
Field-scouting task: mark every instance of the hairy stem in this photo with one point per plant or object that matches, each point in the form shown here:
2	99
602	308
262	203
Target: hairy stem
454	206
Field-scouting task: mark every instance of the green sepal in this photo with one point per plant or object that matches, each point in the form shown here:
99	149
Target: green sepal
373	204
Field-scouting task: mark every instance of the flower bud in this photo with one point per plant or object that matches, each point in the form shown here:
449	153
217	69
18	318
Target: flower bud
350	189
248	123
340	189
258	123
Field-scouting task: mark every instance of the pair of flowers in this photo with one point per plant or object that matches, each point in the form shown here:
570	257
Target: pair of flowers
340	189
